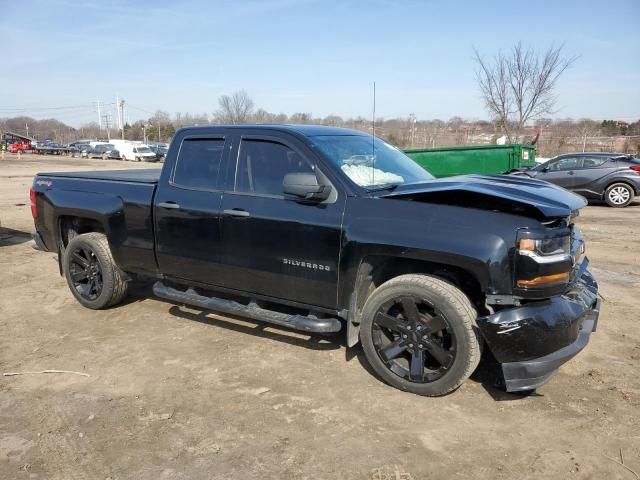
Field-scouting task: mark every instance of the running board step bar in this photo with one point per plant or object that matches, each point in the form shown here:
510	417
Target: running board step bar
252	310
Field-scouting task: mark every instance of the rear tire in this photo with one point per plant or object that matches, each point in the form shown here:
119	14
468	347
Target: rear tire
618	195
92	274
418	334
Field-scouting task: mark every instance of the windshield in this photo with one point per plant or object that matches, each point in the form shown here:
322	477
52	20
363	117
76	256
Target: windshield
142	150
369	162
109	146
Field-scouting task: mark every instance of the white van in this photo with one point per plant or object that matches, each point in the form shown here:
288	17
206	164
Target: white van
134	151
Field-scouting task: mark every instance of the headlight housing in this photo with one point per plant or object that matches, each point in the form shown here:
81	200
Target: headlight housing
543	262
546	250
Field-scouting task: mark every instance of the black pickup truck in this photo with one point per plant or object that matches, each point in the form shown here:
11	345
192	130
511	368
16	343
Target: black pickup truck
330	230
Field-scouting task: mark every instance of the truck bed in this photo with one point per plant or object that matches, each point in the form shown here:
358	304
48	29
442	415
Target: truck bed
150	175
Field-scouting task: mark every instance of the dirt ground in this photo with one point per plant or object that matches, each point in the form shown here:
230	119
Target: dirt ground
181	394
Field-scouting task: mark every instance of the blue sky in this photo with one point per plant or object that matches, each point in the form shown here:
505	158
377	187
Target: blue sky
306	55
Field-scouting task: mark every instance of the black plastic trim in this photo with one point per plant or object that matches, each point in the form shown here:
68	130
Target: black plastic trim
531	374
39	243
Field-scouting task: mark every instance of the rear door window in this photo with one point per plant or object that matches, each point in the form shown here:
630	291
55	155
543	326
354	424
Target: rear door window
198	163
568	163
592	162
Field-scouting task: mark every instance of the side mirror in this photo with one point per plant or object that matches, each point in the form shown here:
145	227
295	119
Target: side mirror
545	170
305	186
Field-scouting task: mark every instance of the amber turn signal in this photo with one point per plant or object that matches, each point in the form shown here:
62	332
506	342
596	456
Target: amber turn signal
528	244
544	280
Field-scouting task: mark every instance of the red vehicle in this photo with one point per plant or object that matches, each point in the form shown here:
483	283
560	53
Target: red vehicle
19	147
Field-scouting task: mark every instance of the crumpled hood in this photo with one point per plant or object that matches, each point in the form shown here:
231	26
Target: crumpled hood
519	195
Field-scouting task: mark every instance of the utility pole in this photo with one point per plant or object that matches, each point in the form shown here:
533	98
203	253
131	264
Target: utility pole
412	121
99	114
118	112
120	104
107	124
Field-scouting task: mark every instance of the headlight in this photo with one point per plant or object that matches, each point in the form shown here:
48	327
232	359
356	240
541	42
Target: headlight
543	261
546	250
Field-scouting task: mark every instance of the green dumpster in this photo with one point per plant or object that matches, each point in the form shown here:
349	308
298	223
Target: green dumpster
484	159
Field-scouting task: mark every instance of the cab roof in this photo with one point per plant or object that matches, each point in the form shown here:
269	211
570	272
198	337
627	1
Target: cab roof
305	130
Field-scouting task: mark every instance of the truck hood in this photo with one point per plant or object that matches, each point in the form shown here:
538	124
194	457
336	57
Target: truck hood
516	195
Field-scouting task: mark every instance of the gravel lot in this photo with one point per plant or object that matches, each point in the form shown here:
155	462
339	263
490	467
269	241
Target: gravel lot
178	393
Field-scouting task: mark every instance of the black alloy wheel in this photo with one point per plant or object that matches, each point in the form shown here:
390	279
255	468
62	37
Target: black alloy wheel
86	273
414	339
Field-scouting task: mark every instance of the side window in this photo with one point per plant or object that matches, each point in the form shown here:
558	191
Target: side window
564	164
263	164
591	162
198	163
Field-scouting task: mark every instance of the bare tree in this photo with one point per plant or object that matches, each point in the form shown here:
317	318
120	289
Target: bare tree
237	108
587	128
262	116
334	120
301	117
519	86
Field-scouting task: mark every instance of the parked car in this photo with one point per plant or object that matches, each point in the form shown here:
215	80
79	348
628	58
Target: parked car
329	230
160	150
104	151
612	177
78	149
19	147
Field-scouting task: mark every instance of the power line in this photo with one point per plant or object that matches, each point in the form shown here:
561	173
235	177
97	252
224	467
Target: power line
27	109
141	109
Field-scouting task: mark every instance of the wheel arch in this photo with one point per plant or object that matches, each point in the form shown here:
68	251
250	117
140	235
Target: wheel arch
76	212
374	270
69	226
613	182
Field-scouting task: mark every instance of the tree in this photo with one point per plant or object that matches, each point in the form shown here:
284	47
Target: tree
519	86
263	117
301	117
586	129
333	120
237	108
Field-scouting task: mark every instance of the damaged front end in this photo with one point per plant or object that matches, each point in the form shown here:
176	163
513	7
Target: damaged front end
544	314
533	340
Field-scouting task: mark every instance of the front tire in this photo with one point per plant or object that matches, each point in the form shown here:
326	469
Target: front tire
418	334
618	195
92	274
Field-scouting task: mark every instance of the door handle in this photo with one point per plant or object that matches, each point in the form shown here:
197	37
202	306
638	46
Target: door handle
570	172
169	204
236	212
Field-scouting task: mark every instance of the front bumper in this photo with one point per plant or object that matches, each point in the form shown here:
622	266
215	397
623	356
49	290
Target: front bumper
532	341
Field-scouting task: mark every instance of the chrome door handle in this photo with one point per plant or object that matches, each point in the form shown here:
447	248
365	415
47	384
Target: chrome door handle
170	205
236	212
